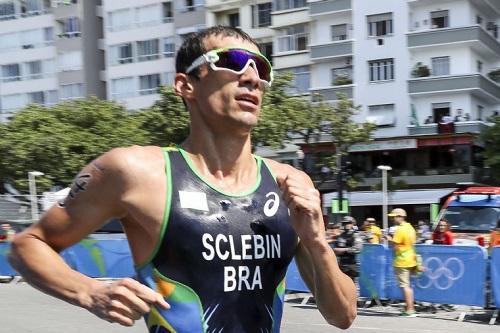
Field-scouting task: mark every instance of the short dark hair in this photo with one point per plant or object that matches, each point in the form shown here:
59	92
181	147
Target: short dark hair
193	45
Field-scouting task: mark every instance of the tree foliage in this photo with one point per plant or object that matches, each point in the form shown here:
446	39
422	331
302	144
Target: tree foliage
167	121
60	140
491	138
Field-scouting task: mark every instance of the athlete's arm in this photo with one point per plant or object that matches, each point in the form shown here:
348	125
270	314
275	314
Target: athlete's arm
95	197
334	291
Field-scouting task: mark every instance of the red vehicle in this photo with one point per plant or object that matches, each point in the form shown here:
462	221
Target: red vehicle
472	213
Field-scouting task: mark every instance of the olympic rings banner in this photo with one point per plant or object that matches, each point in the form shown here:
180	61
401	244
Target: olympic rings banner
495	275
454	275
294	281
5	268
372	271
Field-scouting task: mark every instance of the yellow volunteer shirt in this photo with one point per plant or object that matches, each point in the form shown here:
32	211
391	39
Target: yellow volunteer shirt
404	241
376	234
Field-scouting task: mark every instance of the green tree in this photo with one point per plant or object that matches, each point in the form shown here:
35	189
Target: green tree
491	138
60	140
167	121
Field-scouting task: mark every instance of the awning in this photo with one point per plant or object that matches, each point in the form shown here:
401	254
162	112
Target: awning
399	197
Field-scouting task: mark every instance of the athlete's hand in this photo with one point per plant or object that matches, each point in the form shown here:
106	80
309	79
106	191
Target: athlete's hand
123	301
304	203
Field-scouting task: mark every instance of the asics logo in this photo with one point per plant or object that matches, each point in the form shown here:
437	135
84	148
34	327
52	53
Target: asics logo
272	204
439	274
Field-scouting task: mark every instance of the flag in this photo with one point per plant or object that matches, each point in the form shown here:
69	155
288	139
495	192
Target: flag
414	116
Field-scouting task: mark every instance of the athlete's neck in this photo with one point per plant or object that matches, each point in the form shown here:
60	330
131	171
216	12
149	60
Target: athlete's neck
227	161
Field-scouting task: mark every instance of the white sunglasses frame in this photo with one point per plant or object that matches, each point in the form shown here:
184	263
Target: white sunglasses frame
211	57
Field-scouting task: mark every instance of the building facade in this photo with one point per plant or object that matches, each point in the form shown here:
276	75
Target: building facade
48	53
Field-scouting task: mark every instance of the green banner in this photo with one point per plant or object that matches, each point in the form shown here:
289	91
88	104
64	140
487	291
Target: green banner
340	209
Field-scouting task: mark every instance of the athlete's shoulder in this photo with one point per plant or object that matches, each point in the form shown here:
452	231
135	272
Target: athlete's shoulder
132	160
282	170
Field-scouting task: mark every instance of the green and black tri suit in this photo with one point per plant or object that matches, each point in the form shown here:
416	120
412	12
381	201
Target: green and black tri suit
221	259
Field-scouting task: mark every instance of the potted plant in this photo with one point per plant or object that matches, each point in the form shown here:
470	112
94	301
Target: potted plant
421	70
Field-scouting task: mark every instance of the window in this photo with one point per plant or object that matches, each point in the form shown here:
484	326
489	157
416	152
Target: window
69	61
123	87
380	24
267	50
58	3
480	111
148	15
189	6
36	97
168	15
439	110
341	76
168	47
479	19
149	84
7	11
479	65
147	50
440	66
121	54
339	32
381	115
70	27
33	70
234	20
48	34
294	38
11	72
168	78
12	102
439	19
381	70
261	15
9	41
51	97
288	4
120	19
32	38
31	7
71	91
301	80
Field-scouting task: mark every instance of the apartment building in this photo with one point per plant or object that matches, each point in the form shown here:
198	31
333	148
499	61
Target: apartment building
418	69
48	52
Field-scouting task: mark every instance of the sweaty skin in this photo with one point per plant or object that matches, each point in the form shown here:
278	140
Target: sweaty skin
130	184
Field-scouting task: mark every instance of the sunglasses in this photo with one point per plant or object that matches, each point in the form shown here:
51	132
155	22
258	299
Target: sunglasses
236	60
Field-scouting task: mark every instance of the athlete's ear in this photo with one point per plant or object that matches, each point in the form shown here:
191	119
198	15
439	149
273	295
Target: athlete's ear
182	86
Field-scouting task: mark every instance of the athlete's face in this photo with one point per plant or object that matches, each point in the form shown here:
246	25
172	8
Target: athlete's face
226	100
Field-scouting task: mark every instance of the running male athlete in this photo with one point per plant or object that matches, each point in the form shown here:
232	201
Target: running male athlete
210	229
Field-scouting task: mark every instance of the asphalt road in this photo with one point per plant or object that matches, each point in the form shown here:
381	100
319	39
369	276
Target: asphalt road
24	309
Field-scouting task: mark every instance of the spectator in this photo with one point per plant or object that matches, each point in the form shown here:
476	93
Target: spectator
332	232
375	231
405	257
459	117
423	232
6	233
442	235
346	246
428	120
467	116
495	236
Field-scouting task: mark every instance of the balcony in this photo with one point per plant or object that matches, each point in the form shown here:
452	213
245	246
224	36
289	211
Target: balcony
477	84
330	93
461	127
329	6
477	36
331	50
288	17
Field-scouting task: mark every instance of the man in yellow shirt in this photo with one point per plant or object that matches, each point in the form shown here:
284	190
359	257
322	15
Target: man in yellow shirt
404	256
374	230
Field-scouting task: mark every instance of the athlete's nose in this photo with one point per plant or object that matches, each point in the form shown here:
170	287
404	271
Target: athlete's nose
251	76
